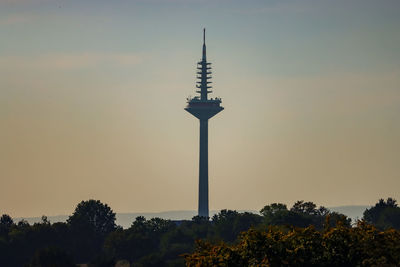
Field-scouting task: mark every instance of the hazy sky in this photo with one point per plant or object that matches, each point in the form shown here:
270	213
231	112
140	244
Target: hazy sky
92	96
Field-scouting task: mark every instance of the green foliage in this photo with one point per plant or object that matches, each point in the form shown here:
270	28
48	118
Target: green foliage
142	239
23	240
229	223
273	209
362	245
384	215
93	216
308	208
302	214
89	225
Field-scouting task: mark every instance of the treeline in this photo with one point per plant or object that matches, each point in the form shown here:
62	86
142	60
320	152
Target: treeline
304	233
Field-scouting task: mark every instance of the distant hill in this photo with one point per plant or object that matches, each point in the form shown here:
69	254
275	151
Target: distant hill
353	212
125	219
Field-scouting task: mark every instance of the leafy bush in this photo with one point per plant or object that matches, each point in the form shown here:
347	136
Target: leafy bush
363	245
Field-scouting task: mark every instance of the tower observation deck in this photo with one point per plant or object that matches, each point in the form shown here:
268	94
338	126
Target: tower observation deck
203	108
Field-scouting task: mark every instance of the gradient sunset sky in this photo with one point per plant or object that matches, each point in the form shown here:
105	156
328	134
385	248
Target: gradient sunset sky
92	96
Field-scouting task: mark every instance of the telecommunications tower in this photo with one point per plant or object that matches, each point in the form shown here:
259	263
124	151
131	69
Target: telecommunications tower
203	108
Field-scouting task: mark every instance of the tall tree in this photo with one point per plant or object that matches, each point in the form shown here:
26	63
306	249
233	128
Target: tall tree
94	216
5	225
90	223
384	215
6	221
302	214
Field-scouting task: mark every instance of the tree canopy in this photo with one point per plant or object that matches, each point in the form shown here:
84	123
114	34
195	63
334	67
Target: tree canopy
363	245
384	215
301	214
94	216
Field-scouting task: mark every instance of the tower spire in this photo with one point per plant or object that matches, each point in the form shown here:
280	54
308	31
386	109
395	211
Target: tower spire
204	45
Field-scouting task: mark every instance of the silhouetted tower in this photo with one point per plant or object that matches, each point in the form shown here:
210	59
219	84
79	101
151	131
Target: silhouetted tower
203	108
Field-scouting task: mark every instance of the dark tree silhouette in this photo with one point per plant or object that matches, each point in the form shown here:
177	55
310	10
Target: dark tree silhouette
272	209
308	208
141	242
229	223
94	216
90	224
6	221
302	214
384	215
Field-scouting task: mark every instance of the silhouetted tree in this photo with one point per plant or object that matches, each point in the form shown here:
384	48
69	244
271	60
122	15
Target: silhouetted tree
302	214
6	222
139	243
24	239
273	209
90	223
229	223
94	216
224	224
307	208
23	223
384	215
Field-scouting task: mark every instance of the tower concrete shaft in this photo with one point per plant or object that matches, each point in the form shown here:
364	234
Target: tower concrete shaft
203	108
203	169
